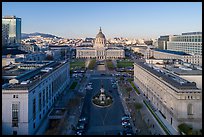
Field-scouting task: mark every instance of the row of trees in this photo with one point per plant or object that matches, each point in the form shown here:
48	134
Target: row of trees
92	64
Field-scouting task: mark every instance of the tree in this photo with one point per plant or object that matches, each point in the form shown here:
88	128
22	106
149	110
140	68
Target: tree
129	89
184	128
138	106
121	78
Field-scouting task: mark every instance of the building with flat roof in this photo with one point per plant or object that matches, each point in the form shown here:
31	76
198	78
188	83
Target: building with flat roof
11	30
29	95
190	73
190	42
179	100
175	55
162	41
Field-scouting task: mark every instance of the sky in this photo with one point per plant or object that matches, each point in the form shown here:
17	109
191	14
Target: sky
117	19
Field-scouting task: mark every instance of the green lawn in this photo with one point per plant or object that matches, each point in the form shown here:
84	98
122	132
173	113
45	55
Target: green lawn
124	63
77	64
110	65
133	85
92	64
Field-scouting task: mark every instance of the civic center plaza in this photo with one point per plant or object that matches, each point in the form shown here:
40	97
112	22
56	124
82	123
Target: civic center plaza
174	88
100	50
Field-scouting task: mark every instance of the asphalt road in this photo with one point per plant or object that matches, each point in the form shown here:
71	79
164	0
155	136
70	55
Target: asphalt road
103	121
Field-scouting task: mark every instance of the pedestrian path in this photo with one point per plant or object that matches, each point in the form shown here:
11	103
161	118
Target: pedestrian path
171	129
167	124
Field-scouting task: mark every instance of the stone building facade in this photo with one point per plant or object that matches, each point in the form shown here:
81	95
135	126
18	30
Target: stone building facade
179	100
100	51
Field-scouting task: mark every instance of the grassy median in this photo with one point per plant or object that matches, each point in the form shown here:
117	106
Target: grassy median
159	121
133	85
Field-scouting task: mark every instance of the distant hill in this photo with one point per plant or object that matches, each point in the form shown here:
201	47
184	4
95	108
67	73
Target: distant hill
25	35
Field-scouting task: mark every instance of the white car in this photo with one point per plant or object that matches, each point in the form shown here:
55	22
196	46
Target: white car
89	87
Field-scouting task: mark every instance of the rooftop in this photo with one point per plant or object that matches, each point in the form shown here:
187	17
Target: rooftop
192	33
12	51
28	78
172	52
183	70
171	79
9	17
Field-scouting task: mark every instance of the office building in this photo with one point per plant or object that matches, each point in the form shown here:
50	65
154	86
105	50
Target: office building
30	94
174	55
162	41
11	30
190	43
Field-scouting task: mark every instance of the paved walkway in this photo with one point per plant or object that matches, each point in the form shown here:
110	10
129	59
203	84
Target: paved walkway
166	123
143	120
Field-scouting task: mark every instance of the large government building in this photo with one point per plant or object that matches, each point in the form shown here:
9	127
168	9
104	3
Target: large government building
31	93
99	50
179	100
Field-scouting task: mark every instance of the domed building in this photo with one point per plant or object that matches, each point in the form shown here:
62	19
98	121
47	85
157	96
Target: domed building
100	40
100	51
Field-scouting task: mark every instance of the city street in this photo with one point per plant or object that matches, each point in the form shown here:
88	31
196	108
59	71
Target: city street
103	120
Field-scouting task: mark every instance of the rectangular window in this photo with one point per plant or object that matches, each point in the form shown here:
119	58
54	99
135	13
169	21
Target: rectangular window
46	96
43	98
40	102
33	125
15	96
15	115
34	109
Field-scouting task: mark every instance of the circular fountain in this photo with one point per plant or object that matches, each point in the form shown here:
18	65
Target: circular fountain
102	99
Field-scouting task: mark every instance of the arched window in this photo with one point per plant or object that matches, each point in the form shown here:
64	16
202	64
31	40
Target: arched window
190	109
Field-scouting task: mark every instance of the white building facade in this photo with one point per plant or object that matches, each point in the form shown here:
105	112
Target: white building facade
100	51
165	54
26	104
187	42
178	100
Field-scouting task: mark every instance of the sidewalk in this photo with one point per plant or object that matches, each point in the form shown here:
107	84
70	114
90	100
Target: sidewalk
165	122
126	108
76	112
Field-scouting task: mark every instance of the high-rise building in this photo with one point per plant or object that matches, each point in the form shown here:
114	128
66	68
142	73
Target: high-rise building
162	41
5	34
190	43
11	30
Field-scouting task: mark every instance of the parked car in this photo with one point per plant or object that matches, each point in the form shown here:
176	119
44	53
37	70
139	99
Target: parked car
83	119
128	132
81	125
125	118
126	122
80	132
